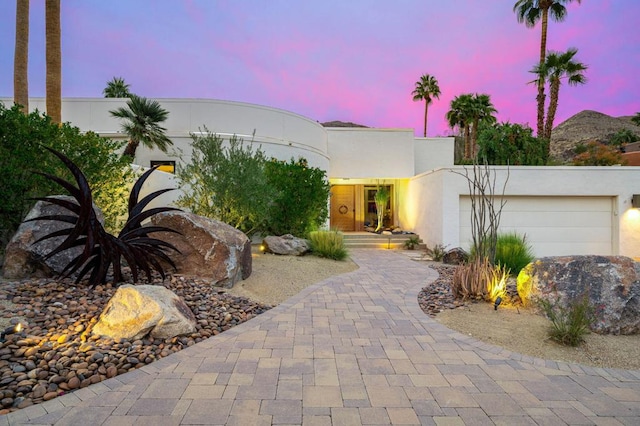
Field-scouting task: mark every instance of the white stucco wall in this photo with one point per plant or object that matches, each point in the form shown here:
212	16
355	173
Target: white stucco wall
433	153
437	218
370	153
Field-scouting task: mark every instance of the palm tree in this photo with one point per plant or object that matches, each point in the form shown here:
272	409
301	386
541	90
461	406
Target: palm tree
482	111
142	124
559	66
460	115
426	89
116	88
530	12
53	60
21	55
636	118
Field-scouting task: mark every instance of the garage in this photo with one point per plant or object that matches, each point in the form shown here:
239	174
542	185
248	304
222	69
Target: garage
554	226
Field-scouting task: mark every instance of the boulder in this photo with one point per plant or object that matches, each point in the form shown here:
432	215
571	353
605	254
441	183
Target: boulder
208	248
455	256
612	284
286	245
24	259
135	311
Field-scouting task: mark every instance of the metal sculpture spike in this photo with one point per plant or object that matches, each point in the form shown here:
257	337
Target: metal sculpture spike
101	250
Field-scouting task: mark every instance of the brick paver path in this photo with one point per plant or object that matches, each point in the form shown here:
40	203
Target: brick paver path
354	349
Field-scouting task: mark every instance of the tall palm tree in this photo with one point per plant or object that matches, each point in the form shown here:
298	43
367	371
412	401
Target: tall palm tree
482	111
530	12
142	124
21	56
556	67
460	116
53	60
426	89
116	88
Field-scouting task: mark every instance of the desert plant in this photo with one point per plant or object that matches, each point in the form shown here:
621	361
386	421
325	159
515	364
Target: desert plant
437	252
470	281
569	324
513	252
381	199
597	154
328	243
411	243
101	250
300	203
497	284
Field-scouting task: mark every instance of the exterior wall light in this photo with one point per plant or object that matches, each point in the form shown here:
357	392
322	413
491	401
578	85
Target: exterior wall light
635	201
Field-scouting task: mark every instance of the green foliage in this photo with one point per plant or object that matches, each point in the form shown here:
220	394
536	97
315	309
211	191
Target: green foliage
300	203
328	244
512	144
437	252
411	243
597	154
569	324
381	199
226	182
513	252
636	119
622	137
21	140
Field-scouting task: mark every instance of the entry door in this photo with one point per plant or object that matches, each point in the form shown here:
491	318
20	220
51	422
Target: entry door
343	208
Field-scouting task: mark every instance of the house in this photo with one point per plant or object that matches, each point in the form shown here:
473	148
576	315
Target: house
561	210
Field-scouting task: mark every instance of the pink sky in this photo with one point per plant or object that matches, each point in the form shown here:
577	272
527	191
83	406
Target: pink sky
355	60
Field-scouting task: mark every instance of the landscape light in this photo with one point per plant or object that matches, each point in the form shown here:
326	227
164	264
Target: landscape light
10	330
498	302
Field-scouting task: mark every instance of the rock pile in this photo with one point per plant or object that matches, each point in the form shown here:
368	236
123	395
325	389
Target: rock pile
57	352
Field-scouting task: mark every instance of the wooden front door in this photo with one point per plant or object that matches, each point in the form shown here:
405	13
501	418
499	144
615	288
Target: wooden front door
343	208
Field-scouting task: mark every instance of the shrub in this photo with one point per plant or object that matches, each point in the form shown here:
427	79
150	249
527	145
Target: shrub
437	252
22	137
328	244
411	243
470	281
226	182
622	137
597	154
569	324
300	203
513	144
513	252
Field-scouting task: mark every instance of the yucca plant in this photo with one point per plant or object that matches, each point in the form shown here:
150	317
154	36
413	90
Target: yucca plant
569	324
329	244
101	250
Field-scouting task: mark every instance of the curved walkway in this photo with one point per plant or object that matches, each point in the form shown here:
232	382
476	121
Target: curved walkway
353	349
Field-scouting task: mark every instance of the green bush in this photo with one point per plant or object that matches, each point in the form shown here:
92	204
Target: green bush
512	144
437	252
21	139
411	243
226	182
513	252
300	203
569	324
328	244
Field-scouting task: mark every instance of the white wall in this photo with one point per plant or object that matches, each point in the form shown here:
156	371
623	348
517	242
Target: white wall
433	153
370	153
437	218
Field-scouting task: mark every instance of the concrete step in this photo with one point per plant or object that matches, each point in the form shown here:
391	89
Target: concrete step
377	241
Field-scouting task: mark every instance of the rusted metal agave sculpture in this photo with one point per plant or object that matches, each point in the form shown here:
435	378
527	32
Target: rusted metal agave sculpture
100	250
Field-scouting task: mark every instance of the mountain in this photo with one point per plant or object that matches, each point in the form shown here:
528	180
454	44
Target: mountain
584	127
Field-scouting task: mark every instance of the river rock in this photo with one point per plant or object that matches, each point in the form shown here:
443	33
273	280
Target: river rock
286	245
612	284
137	311
24	259
208	248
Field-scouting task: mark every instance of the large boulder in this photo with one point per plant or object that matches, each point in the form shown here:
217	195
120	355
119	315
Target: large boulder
286	245
208	248
455	256
612	284
24	259
137	311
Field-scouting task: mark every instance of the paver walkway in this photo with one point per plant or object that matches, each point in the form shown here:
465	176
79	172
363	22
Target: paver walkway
354	349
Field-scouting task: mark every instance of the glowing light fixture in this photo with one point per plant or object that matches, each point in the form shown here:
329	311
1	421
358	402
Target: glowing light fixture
497	303
635	201
10	330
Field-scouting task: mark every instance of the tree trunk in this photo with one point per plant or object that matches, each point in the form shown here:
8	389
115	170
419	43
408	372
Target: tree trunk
467	142
553	106
130	149
53	60
21	56
426	110
543	52
474	138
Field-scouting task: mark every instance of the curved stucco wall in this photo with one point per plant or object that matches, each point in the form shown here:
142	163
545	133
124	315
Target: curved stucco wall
280	134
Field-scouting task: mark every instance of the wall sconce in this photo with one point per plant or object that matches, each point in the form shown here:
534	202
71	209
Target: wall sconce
10	330
635	201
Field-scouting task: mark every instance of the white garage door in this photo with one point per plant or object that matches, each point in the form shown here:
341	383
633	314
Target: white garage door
554	226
